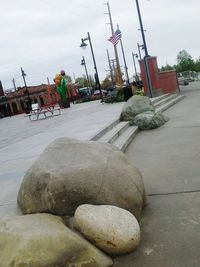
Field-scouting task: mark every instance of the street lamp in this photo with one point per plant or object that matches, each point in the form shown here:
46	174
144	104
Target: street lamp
135	55
23	76
96	76
28	99
83	63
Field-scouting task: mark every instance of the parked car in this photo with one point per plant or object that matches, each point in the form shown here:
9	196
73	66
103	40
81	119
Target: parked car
96	95
183	81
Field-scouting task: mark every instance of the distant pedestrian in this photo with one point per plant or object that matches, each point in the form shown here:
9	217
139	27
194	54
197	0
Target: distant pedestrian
127	92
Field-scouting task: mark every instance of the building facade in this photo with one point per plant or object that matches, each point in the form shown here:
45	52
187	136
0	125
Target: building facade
16	102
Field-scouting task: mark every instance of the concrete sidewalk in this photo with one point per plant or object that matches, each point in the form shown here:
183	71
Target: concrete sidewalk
22	141
169	159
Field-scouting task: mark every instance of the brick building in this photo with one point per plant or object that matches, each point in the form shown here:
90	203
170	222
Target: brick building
16	102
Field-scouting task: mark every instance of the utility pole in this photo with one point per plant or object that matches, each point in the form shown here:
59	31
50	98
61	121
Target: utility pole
118	71
110	67
125	65
13	80
48	81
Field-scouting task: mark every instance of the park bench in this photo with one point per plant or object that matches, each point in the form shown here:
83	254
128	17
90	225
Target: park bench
37	113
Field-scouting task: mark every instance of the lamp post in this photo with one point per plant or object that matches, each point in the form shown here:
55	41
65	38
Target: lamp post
146	66
28	99
135	55
96	76
83	63
23	76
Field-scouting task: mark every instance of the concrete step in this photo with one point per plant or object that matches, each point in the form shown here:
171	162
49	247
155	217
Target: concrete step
165	100
126	138
121	134
115	132
154	100
170	103
104	130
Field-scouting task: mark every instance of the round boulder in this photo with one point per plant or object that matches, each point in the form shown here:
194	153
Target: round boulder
44	240
71	172
134	106
149	120
112	229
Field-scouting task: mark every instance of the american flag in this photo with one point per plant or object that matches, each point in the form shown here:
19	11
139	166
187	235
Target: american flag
116	37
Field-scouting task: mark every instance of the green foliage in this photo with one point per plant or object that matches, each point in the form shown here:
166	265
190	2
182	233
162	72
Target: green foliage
167	67
81	81
106	83
68	78
140	92
3	99
116	96
185	61
197	65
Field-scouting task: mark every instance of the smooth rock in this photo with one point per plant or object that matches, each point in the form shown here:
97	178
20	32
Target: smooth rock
42	240
71	172
112	229
149	120
135	105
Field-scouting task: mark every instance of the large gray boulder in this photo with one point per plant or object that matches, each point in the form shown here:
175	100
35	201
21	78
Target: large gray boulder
149	120
72	172
135	105
140	111
112	229
42	240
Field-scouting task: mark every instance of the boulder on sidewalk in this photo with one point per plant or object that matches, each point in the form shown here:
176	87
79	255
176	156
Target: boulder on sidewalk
44	240
140	111
71	172
135	105
112	229
149	120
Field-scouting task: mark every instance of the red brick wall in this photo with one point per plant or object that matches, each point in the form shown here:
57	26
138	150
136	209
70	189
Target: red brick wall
168	82
165	82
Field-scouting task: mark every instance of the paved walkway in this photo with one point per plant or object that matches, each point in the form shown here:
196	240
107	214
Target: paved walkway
169	159
21	141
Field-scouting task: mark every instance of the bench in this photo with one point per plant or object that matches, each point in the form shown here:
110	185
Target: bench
37	112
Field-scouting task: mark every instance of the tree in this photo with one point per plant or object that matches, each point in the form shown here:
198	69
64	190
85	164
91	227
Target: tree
167	67
81	82
197	65
106	83
185	61
68	78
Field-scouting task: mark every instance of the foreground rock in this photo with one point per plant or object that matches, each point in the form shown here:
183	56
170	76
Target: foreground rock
140	111
114	230
70	173
43	240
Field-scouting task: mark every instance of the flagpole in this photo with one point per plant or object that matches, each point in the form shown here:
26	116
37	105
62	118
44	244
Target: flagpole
123	54
111	72
126	68
119	74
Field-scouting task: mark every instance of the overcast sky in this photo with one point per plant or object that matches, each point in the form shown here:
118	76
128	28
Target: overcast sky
43	36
